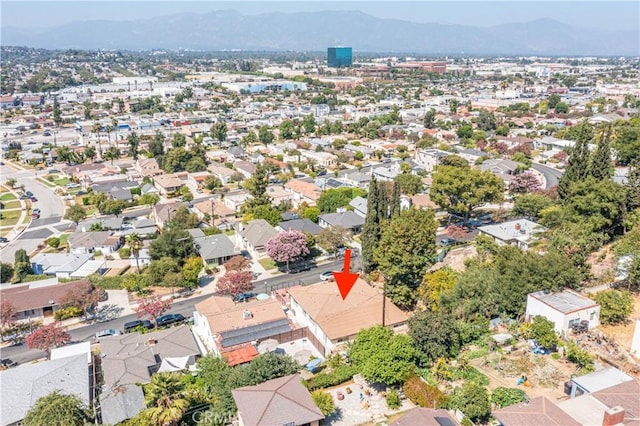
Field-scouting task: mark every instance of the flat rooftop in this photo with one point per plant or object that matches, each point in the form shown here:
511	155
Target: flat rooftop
566	301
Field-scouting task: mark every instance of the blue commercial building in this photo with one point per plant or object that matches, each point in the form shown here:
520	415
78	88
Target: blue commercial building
339	57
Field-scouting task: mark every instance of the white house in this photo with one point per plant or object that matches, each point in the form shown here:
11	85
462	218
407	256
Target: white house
521	233
564	309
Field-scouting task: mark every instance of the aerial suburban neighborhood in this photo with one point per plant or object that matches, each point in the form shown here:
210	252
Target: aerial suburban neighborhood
176	226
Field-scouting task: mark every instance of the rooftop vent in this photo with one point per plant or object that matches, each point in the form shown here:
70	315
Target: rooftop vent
247	315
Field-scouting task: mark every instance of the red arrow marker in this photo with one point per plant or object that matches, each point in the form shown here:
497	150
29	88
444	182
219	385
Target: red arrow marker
344	279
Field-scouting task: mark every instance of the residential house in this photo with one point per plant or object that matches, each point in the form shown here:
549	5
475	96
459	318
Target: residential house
359	205
513	141
22	386
7	102
279	195
281	401
133	358
254	235
387	173
537	411
168	183
148	188
121	403
323	159
235	200
504	169
195	181
215	249
333	321
564	309
148	167
225	326
471	155
66	265
303	192
429	158
616	401
356	179
301	225
346	219
107	223
38	299
236	153
224	174
223	214
426	417
161	213
245	168
521	233
89	242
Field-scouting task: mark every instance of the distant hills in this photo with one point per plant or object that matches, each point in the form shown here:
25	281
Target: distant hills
315	31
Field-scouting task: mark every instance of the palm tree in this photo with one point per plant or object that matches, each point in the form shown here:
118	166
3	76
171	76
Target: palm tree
114	124
108	129
165	397
96	129
135	243
112	154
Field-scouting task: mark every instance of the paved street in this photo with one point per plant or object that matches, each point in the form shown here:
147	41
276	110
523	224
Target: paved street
551	175
50	205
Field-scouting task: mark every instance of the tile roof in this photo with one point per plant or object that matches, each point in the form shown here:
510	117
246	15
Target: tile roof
276	402
624	395
308	189
240	356
538	411
344	318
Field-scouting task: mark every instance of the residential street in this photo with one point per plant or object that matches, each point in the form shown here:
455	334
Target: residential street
50	205
551	175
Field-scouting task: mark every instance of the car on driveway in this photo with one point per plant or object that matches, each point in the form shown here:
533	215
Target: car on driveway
326	276
169	319
129	326
244	297
447	242
106	333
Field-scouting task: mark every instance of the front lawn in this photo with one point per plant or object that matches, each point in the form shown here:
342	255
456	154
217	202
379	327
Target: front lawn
15	204
7	196
62	181
267	263
10	218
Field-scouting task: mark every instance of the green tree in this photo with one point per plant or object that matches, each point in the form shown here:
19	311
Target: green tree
465	131
134	141
112	154
324	401
257	187
409	184
562	108
627	143
268	213
134	241
219	131
553	100
178	140
615	306
75	213
434	335
211	182
581	357
286	130
264	367
57	114
58	409
434	284
486	121
600	165
377	207
632	187
156	145
543	331
332	199
578	162
309	123
381	356
473	400
407	248
265	135
332	238
530	205
21	265
90	153
505	397
166	399
460	190
599	202
6	272
430	119
174	243
149	199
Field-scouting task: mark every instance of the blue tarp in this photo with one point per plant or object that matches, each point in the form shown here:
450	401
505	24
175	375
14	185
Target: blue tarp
313	364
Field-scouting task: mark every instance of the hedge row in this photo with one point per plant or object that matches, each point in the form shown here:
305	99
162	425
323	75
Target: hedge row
338	376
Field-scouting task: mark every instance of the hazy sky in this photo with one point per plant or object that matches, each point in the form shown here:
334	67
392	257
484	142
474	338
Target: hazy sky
620	15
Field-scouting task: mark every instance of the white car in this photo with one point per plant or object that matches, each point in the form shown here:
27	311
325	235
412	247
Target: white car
327	276
107	333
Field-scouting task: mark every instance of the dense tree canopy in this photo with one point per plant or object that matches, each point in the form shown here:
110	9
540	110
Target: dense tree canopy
58	409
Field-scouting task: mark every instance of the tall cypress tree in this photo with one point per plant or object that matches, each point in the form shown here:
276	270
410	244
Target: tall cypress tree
632	187
394	203
371	229
600	166
578	164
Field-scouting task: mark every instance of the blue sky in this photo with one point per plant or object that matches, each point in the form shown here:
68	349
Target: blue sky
618	15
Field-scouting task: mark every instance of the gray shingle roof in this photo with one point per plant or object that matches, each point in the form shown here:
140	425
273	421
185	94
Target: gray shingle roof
348	220
215	247
302	225
22	386
121	403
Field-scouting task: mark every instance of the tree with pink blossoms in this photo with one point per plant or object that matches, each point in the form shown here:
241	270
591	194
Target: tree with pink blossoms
456	232
153	307
47	337
7	316
524	183
235	282
287	246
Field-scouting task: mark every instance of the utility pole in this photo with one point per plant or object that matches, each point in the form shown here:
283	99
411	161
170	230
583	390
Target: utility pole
213	221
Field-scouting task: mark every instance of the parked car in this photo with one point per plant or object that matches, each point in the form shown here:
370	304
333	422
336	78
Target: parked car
3	240
244	297
35	215
24	197
447	242
33	199
326	276
29	194
72	185
36	211
129	326
169	319
106	333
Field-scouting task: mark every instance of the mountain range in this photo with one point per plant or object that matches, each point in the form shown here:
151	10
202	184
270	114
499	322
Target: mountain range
315	31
